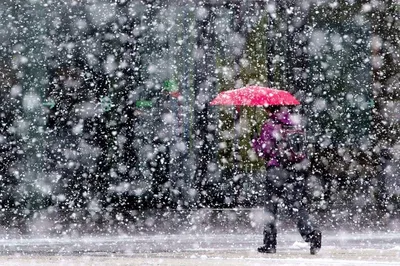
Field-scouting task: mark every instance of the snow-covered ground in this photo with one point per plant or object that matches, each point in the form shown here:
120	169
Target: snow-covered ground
343	248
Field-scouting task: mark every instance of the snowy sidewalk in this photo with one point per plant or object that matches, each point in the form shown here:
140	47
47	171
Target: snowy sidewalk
204	249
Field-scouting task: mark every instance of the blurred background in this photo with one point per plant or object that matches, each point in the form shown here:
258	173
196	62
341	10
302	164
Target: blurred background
105	115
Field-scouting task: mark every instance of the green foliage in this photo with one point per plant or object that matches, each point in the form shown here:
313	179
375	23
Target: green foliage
253	67
252	71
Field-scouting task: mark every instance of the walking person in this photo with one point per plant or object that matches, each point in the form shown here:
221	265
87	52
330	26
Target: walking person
281	144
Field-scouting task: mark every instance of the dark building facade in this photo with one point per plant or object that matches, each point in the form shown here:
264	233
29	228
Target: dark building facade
106	102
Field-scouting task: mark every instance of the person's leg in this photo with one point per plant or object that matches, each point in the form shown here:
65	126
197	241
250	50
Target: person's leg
273	189
271	211
307	227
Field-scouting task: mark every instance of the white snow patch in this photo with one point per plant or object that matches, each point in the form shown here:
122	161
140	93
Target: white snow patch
300	245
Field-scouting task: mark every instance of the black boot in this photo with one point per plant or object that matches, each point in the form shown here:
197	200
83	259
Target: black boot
315	239
269	244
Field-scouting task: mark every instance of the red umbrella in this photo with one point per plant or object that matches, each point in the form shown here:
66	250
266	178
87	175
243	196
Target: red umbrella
255	96
252	96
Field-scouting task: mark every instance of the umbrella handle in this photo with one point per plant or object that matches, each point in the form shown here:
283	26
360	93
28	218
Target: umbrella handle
236	138
238	110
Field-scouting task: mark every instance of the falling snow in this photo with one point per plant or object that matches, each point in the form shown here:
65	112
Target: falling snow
106	126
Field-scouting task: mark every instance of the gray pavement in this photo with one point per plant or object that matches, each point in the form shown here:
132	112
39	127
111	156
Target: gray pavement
204	237
344	248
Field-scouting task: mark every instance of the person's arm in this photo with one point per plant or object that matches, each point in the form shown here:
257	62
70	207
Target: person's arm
262	145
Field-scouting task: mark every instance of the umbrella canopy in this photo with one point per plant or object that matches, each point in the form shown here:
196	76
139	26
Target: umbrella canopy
255	96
